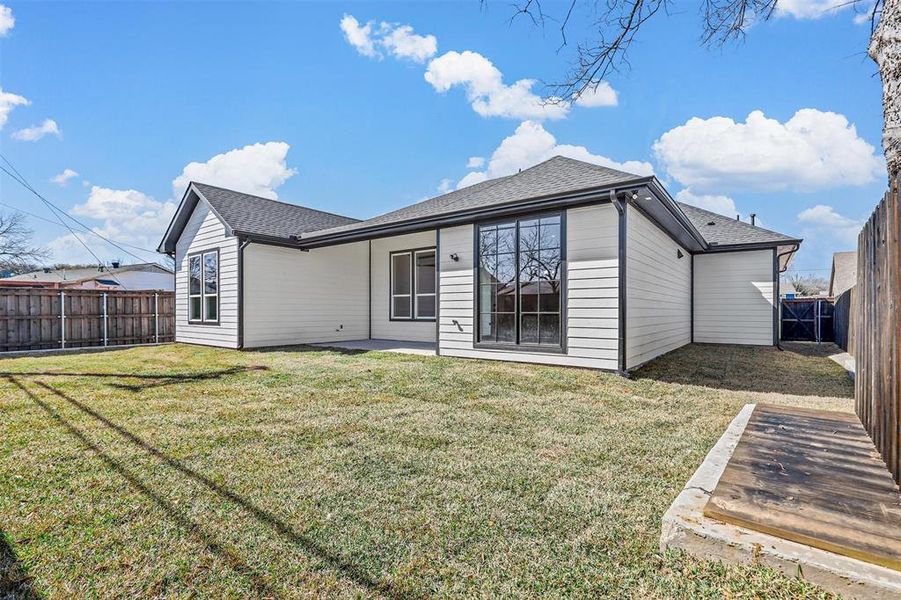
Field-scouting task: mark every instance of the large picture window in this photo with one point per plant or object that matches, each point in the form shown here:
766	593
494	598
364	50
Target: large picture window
520	282
203	287
413	284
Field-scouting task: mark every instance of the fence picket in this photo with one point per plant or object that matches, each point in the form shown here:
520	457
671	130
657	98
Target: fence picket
40	318
876	328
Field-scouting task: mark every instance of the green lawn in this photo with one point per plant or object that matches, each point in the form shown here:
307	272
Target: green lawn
177	470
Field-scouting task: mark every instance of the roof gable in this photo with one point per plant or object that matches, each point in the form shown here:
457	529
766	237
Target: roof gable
249	215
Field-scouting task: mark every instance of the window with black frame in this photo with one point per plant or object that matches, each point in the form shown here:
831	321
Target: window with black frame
203	287
520	281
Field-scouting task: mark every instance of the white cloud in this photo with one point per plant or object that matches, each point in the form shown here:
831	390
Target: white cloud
63	177
812	150
401	42
127	215
723	205
531	144
36	132
8	102
7	20
140	219
825	231
811	9
445	186
826	219
486	90
398	40
602	95
475	162
359	36
256	169
483	82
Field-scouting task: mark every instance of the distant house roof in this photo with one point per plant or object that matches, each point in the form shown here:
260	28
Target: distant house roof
844	272
557	180
250	215
79	274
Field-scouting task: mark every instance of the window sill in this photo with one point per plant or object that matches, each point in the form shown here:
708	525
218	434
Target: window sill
526	348
419	320
209	323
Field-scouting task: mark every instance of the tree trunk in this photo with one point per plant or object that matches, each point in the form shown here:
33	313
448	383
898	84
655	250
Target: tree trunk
885	49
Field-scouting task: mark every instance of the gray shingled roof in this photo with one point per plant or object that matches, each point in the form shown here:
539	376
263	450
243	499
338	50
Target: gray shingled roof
558	175
844	272
83	273
719	230
261	216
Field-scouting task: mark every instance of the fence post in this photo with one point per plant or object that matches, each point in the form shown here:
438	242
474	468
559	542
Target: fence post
62	319
156	317
105	322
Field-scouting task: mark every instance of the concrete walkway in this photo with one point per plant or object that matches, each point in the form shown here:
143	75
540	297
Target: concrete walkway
401	347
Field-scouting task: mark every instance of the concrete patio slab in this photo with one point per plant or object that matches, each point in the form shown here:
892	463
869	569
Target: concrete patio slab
401	347
685	527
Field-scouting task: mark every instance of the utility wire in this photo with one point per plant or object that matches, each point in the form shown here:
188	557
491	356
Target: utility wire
24	182
58	211
91	231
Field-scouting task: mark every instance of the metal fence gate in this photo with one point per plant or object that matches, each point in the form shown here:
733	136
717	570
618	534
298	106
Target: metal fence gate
808	320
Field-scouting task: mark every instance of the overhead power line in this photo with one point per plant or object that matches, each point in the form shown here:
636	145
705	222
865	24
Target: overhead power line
24	182
56	211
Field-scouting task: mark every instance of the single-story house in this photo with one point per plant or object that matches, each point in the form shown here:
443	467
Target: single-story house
140	276
844	273
565	263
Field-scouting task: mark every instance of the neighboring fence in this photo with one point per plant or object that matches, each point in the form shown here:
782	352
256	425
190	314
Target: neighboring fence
843	323
39	319
807	319
877	324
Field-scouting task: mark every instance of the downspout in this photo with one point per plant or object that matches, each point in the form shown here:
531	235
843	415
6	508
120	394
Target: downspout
369	307
438	291
621	266
777	306
244	243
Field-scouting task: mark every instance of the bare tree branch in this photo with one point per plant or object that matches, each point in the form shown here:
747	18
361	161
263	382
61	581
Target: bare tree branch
17	254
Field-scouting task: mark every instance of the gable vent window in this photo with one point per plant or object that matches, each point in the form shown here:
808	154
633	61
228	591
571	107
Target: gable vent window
203	287
413	285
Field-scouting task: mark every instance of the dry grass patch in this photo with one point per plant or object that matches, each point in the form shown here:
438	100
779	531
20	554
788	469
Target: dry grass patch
178	470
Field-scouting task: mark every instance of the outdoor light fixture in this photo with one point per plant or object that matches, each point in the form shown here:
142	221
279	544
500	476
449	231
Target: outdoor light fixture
454	257
679	253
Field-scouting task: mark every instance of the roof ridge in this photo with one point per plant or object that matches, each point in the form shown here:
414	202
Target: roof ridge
739	221
325	212
589	164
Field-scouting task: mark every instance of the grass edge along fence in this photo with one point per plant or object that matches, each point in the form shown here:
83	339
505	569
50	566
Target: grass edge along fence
42	318
877	328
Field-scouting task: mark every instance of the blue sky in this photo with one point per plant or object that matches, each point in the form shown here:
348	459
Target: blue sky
282	100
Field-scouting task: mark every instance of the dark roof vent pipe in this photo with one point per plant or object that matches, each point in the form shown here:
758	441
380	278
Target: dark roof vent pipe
753	218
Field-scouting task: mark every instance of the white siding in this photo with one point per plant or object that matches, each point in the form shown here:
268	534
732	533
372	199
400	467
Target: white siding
204	231
734	297
658	291
592	259
382	327
294	297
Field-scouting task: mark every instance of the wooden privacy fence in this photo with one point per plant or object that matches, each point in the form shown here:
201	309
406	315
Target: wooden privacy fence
877	329
39	319
842	322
